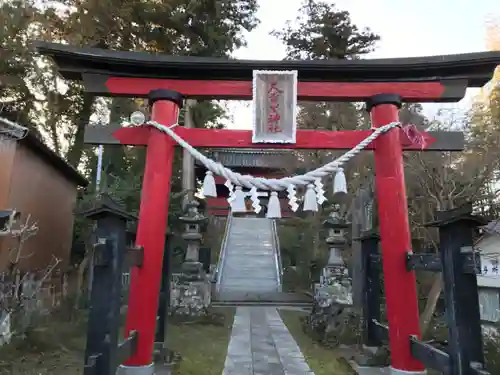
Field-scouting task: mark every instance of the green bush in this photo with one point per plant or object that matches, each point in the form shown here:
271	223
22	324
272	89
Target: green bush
491	352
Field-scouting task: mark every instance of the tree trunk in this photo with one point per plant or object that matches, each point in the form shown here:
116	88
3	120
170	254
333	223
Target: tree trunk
431	303
76	150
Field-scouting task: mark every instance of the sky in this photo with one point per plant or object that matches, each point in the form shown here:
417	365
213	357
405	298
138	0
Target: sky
407	28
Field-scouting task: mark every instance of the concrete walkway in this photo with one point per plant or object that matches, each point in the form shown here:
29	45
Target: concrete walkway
261	345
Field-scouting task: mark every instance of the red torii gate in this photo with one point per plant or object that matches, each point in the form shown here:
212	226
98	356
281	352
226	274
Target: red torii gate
383	84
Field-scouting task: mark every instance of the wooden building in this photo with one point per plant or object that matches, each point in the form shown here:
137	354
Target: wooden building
258	163
35	181
488	281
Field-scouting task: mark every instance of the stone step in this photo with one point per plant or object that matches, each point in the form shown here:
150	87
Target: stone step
249	261
269	287
251	255
258	253
238	262
251	281
255	268
254	264
249	284
247	245
246	241
250	226
254	232
250	251
250	274
269	257
242	287
257	265
253	220
250	258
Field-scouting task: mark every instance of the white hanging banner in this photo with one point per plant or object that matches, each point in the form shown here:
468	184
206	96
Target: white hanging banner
274	106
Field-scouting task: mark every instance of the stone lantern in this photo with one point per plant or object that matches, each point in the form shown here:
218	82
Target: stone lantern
335	274
190	294
192	235
336	240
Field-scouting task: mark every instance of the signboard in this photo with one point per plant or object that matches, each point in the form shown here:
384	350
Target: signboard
275	106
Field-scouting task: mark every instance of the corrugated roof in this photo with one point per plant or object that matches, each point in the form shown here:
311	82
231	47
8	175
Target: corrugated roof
251	158
40	148
493	227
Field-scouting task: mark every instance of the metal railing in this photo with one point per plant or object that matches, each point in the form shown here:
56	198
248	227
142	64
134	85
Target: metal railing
277	253
222	253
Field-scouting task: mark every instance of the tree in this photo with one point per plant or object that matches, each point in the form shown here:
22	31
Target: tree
61	110
33	94
18	99
444	180
322	32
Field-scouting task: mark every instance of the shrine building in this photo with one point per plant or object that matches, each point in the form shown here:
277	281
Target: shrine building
260	163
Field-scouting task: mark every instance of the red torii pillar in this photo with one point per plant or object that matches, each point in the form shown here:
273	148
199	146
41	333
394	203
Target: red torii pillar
400	285
153	214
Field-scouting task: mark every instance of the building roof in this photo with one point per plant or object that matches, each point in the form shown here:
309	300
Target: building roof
250	158
493	227
32	142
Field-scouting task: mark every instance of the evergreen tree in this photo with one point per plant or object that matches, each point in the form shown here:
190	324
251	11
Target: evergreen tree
322	32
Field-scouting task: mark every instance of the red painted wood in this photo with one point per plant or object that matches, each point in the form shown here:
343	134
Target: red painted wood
235	90
400	285
217	212
220	207
225	138
145	281
219	180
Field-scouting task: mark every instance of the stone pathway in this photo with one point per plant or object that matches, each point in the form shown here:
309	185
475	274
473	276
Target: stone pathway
261	345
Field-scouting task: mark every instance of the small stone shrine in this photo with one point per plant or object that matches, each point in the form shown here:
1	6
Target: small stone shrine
190	293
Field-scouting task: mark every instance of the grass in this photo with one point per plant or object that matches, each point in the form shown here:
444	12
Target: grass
203	347
57	347
321	360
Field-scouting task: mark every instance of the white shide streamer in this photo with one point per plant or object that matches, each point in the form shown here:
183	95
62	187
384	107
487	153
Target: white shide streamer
311	179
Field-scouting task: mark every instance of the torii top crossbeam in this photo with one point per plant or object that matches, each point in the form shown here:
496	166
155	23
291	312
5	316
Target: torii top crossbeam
135	74
421	79
383	84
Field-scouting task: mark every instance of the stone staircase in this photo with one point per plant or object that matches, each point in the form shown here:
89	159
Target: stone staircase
249	268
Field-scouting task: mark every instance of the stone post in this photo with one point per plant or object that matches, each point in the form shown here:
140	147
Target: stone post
188	178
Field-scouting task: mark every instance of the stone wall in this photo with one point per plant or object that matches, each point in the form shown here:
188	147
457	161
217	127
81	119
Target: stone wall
190	298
